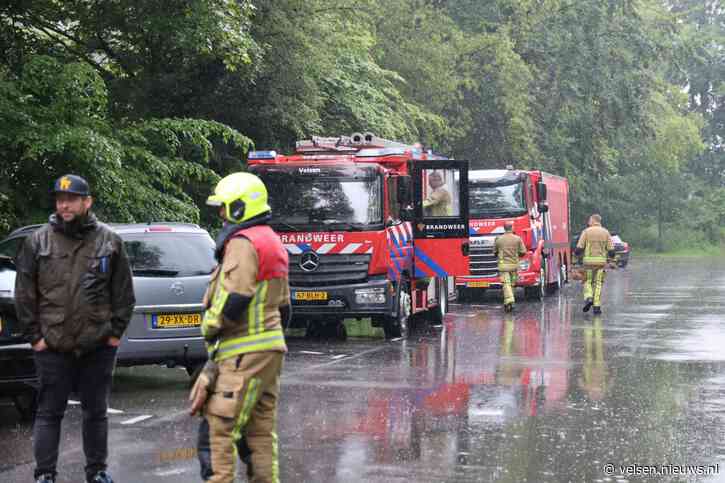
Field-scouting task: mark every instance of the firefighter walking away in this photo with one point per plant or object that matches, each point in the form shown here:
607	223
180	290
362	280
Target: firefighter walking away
246	302
509	247
596	246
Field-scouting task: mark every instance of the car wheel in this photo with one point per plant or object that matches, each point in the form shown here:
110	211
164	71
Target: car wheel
26	403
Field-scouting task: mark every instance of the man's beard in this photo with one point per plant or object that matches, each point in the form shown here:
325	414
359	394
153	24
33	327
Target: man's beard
74	226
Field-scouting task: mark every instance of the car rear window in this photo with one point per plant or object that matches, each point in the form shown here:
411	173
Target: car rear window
170	254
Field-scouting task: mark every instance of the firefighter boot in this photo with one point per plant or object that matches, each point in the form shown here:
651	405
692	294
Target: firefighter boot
46	478
587	305
597	310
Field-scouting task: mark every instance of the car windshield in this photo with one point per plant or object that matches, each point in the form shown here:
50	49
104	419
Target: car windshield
496	201
323	202
170	254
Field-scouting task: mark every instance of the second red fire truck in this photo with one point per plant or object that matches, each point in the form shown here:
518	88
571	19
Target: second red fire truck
538	205
374	228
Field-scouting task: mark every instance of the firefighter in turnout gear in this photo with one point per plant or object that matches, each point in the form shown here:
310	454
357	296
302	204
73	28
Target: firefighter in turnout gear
247	301
596	246
508	248
438	201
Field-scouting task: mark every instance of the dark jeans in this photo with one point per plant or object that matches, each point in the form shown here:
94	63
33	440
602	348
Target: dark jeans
60	373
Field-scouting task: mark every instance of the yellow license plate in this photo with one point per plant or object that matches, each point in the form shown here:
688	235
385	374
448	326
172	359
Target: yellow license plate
310	295
176	321
477	284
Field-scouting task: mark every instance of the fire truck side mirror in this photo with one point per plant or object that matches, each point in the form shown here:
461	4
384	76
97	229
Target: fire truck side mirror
541	191
405	190
407	213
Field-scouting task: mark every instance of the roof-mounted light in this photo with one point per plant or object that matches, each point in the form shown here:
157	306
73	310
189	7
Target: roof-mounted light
374	152
262	154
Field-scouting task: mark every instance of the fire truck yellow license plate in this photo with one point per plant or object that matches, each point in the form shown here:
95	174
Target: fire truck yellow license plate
477	284
310	295
176	321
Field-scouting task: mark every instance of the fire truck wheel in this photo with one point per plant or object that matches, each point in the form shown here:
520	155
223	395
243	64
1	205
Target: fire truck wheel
552	287
398	326
340	331
537	292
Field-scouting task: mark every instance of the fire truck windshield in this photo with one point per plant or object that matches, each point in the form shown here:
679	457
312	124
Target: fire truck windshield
323	203
495	200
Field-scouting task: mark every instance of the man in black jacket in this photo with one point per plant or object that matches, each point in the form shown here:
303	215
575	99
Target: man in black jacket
74	294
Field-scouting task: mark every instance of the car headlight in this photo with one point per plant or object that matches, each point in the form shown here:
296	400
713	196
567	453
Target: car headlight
370	296
524	265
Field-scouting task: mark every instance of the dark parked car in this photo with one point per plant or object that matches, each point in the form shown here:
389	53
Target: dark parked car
17	366
621	249
171	265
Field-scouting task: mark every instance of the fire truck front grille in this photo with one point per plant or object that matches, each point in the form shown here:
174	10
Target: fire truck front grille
332	269
483	262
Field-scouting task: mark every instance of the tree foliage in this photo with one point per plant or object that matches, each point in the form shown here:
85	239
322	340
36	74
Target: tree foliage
149	99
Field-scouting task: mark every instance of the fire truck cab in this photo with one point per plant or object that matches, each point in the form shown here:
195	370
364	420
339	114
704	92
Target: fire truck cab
374	228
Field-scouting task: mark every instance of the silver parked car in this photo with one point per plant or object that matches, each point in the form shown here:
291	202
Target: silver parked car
171	264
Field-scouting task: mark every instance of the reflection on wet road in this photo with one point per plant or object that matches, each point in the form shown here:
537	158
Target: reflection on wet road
545	394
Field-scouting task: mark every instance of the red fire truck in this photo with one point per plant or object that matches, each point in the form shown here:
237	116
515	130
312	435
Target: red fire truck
538	205
374	228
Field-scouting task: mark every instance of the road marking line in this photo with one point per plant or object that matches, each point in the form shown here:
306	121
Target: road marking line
311	352
137	419
339	356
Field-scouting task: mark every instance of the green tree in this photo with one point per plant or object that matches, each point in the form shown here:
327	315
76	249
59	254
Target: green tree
53	120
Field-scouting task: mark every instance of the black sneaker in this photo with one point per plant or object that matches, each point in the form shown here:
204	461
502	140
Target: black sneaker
101	477
46	478
597	311
587	305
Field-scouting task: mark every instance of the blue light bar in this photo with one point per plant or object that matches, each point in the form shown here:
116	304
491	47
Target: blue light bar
262	154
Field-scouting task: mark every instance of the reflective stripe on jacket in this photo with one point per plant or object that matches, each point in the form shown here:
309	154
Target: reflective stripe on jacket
255	266
509	247
596	242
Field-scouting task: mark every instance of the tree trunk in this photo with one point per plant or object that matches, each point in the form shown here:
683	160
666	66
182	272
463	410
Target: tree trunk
660	248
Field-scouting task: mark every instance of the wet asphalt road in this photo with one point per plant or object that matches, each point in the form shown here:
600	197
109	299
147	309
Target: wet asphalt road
546	394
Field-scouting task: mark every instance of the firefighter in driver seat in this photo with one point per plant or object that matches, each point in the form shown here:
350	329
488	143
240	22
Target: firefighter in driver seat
246	303
438	201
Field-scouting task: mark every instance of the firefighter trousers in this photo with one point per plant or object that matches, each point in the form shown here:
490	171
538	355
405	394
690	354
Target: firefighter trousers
593	283
508	280
240	419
